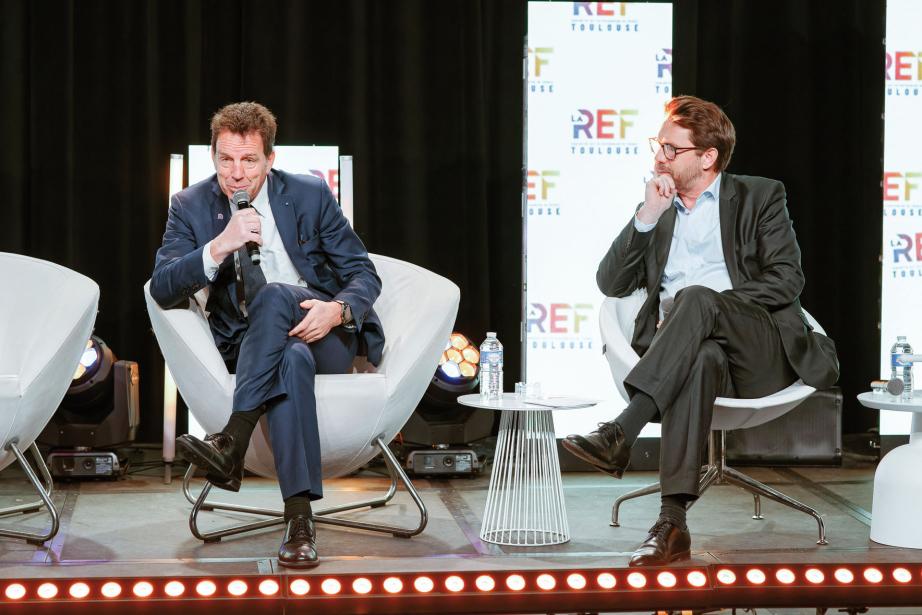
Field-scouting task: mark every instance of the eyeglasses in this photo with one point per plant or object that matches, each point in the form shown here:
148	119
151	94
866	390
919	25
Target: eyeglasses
670	151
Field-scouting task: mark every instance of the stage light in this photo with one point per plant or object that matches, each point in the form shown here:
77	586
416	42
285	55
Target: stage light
174	589
785	576
727	577
606	580
79	590
636	580
546	582
873	575
844	575
268	587
206	588
143	589
393	585
361	585
299	587
111	590
461	359
814	575
485	583
47	591
666	579
15	591
237	587
423	585
454	583
755	576
901	575
697	578
576	581
331	587
515	582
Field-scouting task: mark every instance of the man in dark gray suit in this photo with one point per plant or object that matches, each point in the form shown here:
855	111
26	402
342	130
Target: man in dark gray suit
720	263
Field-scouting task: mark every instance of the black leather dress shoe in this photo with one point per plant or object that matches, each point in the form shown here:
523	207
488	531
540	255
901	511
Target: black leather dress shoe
215	456
299	546
604	448
665	543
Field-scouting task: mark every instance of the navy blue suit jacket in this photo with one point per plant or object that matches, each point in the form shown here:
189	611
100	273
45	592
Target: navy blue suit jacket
324	249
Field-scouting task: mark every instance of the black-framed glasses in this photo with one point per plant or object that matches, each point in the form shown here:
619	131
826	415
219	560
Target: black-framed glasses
670	151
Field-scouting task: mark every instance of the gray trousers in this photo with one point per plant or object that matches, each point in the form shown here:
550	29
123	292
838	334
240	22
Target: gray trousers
710	345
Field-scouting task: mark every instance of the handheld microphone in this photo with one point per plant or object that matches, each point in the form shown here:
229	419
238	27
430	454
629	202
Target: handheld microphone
241	200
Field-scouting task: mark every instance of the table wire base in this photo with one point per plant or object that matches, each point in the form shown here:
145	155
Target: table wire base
525	503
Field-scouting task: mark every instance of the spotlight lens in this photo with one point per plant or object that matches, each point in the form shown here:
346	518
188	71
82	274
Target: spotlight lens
361	585
206	588
423	585
844	575
451	369
111	590
666	579
636	580
606	580
485	583
873	575
89	356
237	587
330	586
815	576
546	582
576	581
15	591
785	575
393	585
79	590
299	587
268	587
515	582
727	577
901	575
697	578
143	589
454	584
47	590
755	576
174	589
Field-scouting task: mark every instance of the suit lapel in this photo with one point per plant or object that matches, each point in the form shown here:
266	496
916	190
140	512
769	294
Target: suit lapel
729	209
663	242
284	213
220	209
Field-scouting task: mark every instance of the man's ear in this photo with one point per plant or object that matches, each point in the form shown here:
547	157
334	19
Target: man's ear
709	158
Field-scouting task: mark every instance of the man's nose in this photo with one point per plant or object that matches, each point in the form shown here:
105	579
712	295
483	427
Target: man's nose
660	155
237	168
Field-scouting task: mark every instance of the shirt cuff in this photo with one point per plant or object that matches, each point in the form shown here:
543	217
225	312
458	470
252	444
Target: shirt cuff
209	264
642	227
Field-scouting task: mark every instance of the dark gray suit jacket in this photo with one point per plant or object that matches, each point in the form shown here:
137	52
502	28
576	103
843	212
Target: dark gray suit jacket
322	246
763	260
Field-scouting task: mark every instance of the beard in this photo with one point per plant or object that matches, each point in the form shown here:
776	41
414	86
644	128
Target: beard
683	178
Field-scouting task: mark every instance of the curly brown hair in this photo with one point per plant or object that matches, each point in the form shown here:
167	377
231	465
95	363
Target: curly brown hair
709	126
242	118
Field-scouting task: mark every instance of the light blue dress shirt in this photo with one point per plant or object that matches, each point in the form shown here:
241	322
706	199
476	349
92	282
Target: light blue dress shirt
696	254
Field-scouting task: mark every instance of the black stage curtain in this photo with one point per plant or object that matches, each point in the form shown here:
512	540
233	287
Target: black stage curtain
427	97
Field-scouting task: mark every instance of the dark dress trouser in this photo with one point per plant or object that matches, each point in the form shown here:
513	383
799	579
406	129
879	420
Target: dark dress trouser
278	370
710	345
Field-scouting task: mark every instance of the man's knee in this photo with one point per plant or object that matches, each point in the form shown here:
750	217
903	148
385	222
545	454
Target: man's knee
299	357
700	296
272	296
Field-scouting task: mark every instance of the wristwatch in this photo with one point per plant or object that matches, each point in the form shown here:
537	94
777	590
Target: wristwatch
345	314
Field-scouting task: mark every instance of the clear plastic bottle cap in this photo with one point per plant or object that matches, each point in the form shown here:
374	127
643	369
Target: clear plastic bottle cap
491	333
899	338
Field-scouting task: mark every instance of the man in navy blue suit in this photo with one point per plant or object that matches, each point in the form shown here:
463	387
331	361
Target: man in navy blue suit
305	309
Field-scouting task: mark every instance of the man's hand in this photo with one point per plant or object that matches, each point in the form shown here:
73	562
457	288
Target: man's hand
243	226
321	317
659	195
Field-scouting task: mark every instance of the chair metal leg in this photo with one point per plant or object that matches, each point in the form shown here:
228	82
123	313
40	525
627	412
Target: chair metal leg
753	486
654	488
200	503
44	492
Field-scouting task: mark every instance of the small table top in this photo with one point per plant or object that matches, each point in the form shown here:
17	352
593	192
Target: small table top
509	401
885	401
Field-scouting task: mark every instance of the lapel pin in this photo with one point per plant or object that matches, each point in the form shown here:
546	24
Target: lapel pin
220	216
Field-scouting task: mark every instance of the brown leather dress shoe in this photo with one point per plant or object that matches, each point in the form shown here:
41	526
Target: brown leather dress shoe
299	546
215	456
604	448
665	543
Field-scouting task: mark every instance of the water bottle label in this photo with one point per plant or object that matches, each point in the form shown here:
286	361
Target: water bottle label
493	357
895	360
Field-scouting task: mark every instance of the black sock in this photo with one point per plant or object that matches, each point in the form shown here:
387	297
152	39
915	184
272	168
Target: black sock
241	426
638	413
673	508
298	504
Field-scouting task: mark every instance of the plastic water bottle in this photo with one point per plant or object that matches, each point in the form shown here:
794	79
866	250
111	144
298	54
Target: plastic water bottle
491	367
900	369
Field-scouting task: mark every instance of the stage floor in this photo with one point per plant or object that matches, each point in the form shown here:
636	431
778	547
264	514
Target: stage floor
139	526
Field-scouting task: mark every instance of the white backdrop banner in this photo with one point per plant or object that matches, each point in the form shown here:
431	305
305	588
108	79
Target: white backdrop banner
599	74
901	275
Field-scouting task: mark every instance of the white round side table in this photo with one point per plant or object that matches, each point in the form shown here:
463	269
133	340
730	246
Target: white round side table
525	504
898	479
